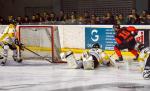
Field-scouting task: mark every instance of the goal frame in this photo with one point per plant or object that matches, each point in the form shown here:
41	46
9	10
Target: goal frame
54	59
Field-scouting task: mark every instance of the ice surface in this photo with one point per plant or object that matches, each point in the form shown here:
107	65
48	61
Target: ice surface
33	75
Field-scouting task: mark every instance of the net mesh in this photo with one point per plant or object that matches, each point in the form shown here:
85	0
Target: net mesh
41	42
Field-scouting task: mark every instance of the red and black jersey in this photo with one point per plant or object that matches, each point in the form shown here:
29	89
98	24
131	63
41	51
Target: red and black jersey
125	34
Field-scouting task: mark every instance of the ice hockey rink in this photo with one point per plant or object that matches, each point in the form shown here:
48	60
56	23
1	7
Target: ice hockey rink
33	75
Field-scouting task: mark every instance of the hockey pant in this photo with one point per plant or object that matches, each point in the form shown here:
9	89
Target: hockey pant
130	46
6	48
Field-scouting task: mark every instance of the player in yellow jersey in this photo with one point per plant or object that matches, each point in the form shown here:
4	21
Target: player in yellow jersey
8	40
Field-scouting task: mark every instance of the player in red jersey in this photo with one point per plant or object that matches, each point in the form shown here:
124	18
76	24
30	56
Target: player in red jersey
125	38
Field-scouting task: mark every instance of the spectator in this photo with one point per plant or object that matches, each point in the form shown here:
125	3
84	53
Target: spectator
26	20
142	17
81	20
37	17
10	19
52	17
61	16
41	20
74	13
2	21
19	20
133	17
47	18
109	18
33	19
97	20
72	20
93	19
119	19
147	21
87	17
44	14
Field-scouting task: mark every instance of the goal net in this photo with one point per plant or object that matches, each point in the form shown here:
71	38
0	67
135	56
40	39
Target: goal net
41	42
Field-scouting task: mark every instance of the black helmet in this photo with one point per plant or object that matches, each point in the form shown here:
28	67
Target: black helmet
96	45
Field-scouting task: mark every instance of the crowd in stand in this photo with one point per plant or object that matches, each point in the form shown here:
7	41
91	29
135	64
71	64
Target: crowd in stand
86	18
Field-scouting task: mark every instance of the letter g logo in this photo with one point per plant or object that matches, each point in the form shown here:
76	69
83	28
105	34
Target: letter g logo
95	36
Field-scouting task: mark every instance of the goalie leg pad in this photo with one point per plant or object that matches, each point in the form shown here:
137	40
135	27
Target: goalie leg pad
80	64
88	63
71	61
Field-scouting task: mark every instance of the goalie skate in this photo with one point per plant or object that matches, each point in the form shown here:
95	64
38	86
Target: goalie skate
3	63
146	74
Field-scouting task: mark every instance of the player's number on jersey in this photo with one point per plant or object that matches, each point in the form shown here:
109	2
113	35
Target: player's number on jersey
124	34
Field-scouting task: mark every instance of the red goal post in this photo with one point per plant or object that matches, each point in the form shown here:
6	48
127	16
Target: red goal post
40	39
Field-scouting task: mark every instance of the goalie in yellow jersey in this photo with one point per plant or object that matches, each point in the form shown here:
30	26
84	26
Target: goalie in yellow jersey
8	40
89	59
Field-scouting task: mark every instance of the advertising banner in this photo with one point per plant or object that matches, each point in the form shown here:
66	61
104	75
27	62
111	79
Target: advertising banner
103	36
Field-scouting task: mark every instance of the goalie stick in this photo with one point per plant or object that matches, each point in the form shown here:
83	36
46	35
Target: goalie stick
113	60
47	59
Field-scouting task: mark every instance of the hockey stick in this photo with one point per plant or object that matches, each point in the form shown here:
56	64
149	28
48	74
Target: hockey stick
112	54
38	54
112	60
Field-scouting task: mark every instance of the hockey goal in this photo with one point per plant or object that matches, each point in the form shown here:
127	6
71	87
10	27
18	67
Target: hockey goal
40	41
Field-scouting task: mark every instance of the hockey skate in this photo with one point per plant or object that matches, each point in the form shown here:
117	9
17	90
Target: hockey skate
17	59
4	62
119	60
1	57
146	74
136	58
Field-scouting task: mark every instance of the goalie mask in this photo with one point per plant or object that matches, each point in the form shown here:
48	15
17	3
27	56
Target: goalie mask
96	45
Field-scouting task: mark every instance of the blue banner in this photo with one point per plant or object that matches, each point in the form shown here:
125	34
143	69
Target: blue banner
103	36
